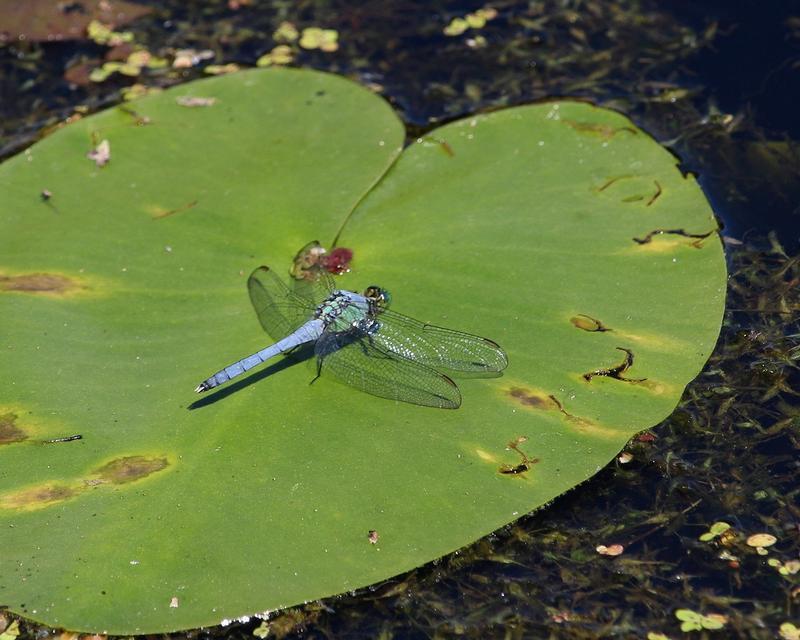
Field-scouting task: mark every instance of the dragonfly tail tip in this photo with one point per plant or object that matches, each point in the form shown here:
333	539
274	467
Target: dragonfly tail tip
201	387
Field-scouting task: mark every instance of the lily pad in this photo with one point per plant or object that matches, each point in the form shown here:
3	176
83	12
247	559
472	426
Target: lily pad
559	230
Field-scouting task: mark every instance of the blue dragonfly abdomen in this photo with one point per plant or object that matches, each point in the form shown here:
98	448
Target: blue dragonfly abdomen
309	332
339	312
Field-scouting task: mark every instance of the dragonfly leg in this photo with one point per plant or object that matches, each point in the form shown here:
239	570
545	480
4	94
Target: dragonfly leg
319	371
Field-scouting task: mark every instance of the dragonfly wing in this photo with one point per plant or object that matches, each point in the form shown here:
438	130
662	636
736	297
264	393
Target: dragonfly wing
316	286
437	347
280	310
355	360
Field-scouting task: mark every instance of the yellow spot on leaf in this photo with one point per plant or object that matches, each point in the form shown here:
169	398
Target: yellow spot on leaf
122	470
661	244
157	211
538	399
656	387
658	342
37	497
485	456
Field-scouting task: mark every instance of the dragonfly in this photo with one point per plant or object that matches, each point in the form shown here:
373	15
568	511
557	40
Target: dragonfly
358	340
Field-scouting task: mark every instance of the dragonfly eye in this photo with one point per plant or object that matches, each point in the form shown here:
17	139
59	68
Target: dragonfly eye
379	296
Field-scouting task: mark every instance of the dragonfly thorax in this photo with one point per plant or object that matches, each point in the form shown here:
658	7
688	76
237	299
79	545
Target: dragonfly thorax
344	309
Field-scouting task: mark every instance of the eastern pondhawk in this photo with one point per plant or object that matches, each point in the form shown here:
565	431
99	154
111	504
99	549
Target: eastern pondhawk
361	342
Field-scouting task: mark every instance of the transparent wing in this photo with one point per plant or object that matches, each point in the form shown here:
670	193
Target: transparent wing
354	360
316	286
437	347
280	310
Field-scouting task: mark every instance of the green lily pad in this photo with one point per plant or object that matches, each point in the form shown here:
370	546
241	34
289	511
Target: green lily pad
559	230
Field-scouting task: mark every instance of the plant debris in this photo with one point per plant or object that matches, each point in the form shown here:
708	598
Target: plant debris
101	154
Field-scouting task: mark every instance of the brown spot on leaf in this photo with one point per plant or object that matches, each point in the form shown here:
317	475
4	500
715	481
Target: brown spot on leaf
9	431
656	194
587	323
159	212
617	371
443	145
37	497
525	462
611	181
138	119
604	131
698	237
130	469
638	188
532	398
47	283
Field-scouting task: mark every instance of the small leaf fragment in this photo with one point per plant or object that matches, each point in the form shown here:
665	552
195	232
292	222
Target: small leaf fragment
11	632
324	39
101	154
714	621
456	27
185	58
611	550
221	69
761	540
280	55
138	90
474	20
716	529
693	621
103	34
286	32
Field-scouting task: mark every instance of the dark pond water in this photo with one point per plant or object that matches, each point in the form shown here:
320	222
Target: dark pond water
718	83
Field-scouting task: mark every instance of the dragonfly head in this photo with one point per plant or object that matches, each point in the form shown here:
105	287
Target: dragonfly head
381	297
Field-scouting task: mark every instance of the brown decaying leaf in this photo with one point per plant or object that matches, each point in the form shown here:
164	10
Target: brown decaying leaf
46	20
